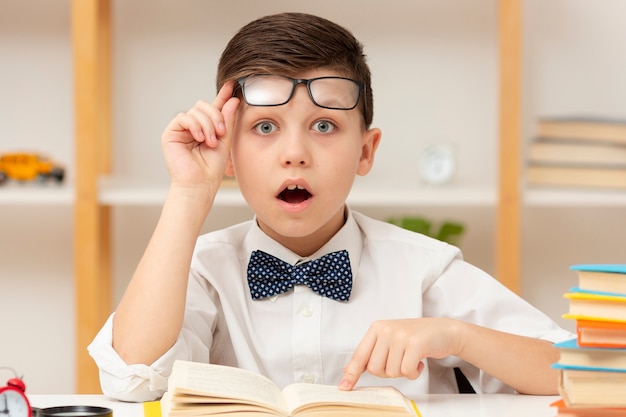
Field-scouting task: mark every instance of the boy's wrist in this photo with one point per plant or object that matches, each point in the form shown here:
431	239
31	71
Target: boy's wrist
196	197
460	333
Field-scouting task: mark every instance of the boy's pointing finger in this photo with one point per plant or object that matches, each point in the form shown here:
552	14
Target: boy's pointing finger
351	374
358	363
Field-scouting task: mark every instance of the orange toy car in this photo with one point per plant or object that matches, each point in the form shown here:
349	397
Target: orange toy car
24	166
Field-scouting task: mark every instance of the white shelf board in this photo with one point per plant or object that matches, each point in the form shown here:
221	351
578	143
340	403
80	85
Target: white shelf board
126	192
36	194
451	195
118	192
549	197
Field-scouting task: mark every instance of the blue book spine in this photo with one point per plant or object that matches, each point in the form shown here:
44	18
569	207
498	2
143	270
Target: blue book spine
611	268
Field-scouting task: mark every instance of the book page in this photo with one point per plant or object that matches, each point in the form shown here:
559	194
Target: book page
225	382
298	395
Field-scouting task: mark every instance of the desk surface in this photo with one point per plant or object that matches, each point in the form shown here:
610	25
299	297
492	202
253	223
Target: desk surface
467	405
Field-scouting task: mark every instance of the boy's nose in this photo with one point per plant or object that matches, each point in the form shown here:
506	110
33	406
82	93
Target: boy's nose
295	146
295	152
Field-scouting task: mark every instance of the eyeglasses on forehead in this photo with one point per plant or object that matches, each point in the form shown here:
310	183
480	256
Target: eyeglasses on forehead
336	93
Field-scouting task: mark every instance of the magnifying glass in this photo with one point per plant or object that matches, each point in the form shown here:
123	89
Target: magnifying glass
72	411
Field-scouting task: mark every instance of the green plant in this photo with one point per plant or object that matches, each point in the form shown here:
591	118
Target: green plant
447	231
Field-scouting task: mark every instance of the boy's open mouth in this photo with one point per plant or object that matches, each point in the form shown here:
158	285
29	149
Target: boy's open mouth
293	194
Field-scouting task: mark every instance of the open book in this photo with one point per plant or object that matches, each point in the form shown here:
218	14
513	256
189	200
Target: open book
200	389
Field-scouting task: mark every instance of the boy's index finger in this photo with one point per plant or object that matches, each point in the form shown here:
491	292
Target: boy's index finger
225	93
352	372
227	106
357	365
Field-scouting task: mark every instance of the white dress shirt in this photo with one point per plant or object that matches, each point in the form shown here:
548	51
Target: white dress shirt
301	336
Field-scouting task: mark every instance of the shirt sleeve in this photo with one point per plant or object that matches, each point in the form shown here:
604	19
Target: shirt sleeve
140	382
126	382
467	293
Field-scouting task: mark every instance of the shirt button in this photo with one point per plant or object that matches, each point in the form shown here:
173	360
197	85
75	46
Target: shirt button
308	378
306	312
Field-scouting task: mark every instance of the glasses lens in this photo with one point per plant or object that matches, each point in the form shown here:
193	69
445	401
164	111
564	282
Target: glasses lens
335	93
267	90
274	90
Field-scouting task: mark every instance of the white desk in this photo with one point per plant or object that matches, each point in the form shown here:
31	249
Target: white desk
467	405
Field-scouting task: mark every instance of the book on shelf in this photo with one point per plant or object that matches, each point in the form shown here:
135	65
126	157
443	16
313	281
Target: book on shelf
601	277
548	151
575	356
592	388
583	128
593	177
564	411
200	389
597	305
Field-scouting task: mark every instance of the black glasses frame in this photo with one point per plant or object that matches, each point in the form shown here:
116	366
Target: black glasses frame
295	82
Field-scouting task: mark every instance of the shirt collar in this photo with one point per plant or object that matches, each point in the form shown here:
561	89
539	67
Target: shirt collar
349	237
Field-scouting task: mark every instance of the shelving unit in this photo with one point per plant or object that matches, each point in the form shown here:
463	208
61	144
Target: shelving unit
94	194
92	32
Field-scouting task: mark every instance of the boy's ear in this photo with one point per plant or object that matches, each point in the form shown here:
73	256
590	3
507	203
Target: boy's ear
371	138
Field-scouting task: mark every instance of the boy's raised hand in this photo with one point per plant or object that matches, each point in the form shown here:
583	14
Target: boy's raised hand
196	144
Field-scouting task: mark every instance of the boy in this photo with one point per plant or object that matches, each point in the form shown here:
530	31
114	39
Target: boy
292	122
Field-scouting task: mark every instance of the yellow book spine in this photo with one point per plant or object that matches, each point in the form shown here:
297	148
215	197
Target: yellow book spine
417	411
152	409
598	297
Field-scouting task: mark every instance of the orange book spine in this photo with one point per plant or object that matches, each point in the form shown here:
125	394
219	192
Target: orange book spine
609	329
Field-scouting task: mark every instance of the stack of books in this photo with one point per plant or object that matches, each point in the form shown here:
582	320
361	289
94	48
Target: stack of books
593	365
578	152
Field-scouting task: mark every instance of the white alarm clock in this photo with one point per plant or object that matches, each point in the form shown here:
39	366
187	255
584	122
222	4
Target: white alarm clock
438	164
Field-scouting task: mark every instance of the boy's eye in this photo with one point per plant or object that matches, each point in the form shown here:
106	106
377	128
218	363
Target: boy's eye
265	128
324	126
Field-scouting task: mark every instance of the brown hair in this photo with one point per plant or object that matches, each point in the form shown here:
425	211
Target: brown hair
290	43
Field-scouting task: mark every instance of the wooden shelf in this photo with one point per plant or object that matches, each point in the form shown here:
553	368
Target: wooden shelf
126	192
574	198
120	192
425	197
91	45
37	194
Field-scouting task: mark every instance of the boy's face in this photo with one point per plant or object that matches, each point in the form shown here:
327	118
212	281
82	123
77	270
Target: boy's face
295	164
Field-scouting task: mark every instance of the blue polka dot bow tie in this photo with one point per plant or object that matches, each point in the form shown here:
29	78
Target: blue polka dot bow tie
329	276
